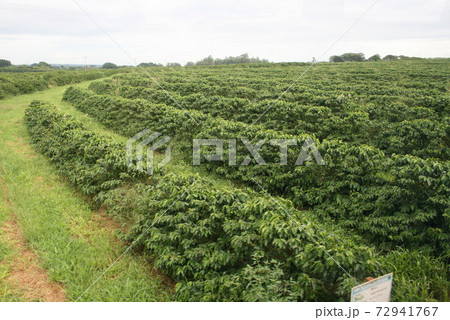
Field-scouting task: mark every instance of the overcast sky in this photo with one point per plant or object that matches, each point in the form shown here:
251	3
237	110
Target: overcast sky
179	31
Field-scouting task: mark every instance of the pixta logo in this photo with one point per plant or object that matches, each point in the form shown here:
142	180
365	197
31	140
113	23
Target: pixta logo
147	140
307	151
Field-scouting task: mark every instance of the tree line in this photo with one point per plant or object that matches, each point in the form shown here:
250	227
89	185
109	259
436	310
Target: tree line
243	58
209	61
359	57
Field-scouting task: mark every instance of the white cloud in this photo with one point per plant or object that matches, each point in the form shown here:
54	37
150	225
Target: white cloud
165	31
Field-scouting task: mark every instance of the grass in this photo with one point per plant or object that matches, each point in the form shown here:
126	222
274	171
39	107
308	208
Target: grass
74	243
7	294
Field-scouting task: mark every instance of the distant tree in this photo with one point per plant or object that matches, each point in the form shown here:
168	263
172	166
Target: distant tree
243	58
353	57
109	65
189	64
390	57
375	57
173	64
358	57
208	61
148	64
44	64
411	58
336	59
5	63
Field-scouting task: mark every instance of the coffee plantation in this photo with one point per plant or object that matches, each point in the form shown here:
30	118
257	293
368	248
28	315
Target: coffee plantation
380	203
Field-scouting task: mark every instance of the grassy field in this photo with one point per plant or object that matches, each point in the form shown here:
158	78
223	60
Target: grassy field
67	244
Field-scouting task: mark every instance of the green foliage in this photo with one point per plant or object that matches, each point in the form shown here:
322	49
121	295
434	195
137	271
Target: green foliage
328	109
417	275
28	82
94	163
4	63
15	84
390	57
44	64
349	57
243	58
382	131
62	228
173	64
420	137
222	243
109	65
375	57
229	244
149	64
408	209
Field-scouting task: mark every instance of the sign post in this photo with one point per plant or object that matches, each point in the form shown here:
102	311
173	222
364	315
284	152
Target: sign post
376	290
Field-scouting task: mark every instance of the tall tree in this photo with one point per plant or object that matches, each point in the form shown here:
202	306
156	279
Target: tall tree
5	63
336	59
44	64
109	65
375	57
390	57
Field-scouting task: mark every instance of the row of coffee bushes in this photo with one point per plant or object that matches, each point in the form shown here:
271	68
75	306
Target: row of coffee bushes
397	200
62	78
376	83
12	84
96	164
418	84
394	128
221	243
15	84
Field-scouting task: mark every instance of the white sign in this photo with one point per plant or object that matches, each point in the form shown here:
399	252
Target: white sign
376	290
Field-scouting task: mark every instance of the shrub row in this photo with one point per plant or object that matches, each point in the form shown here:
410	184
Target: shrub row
393	127
12	84
397	200
96	164
221	243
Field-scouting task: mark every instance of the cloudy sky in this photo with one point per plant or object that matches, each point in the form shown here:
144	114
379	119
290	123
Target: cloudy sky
187	30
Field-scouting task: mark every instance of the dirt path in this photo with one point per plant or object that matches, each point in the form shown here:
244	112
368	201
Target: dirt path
27	276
